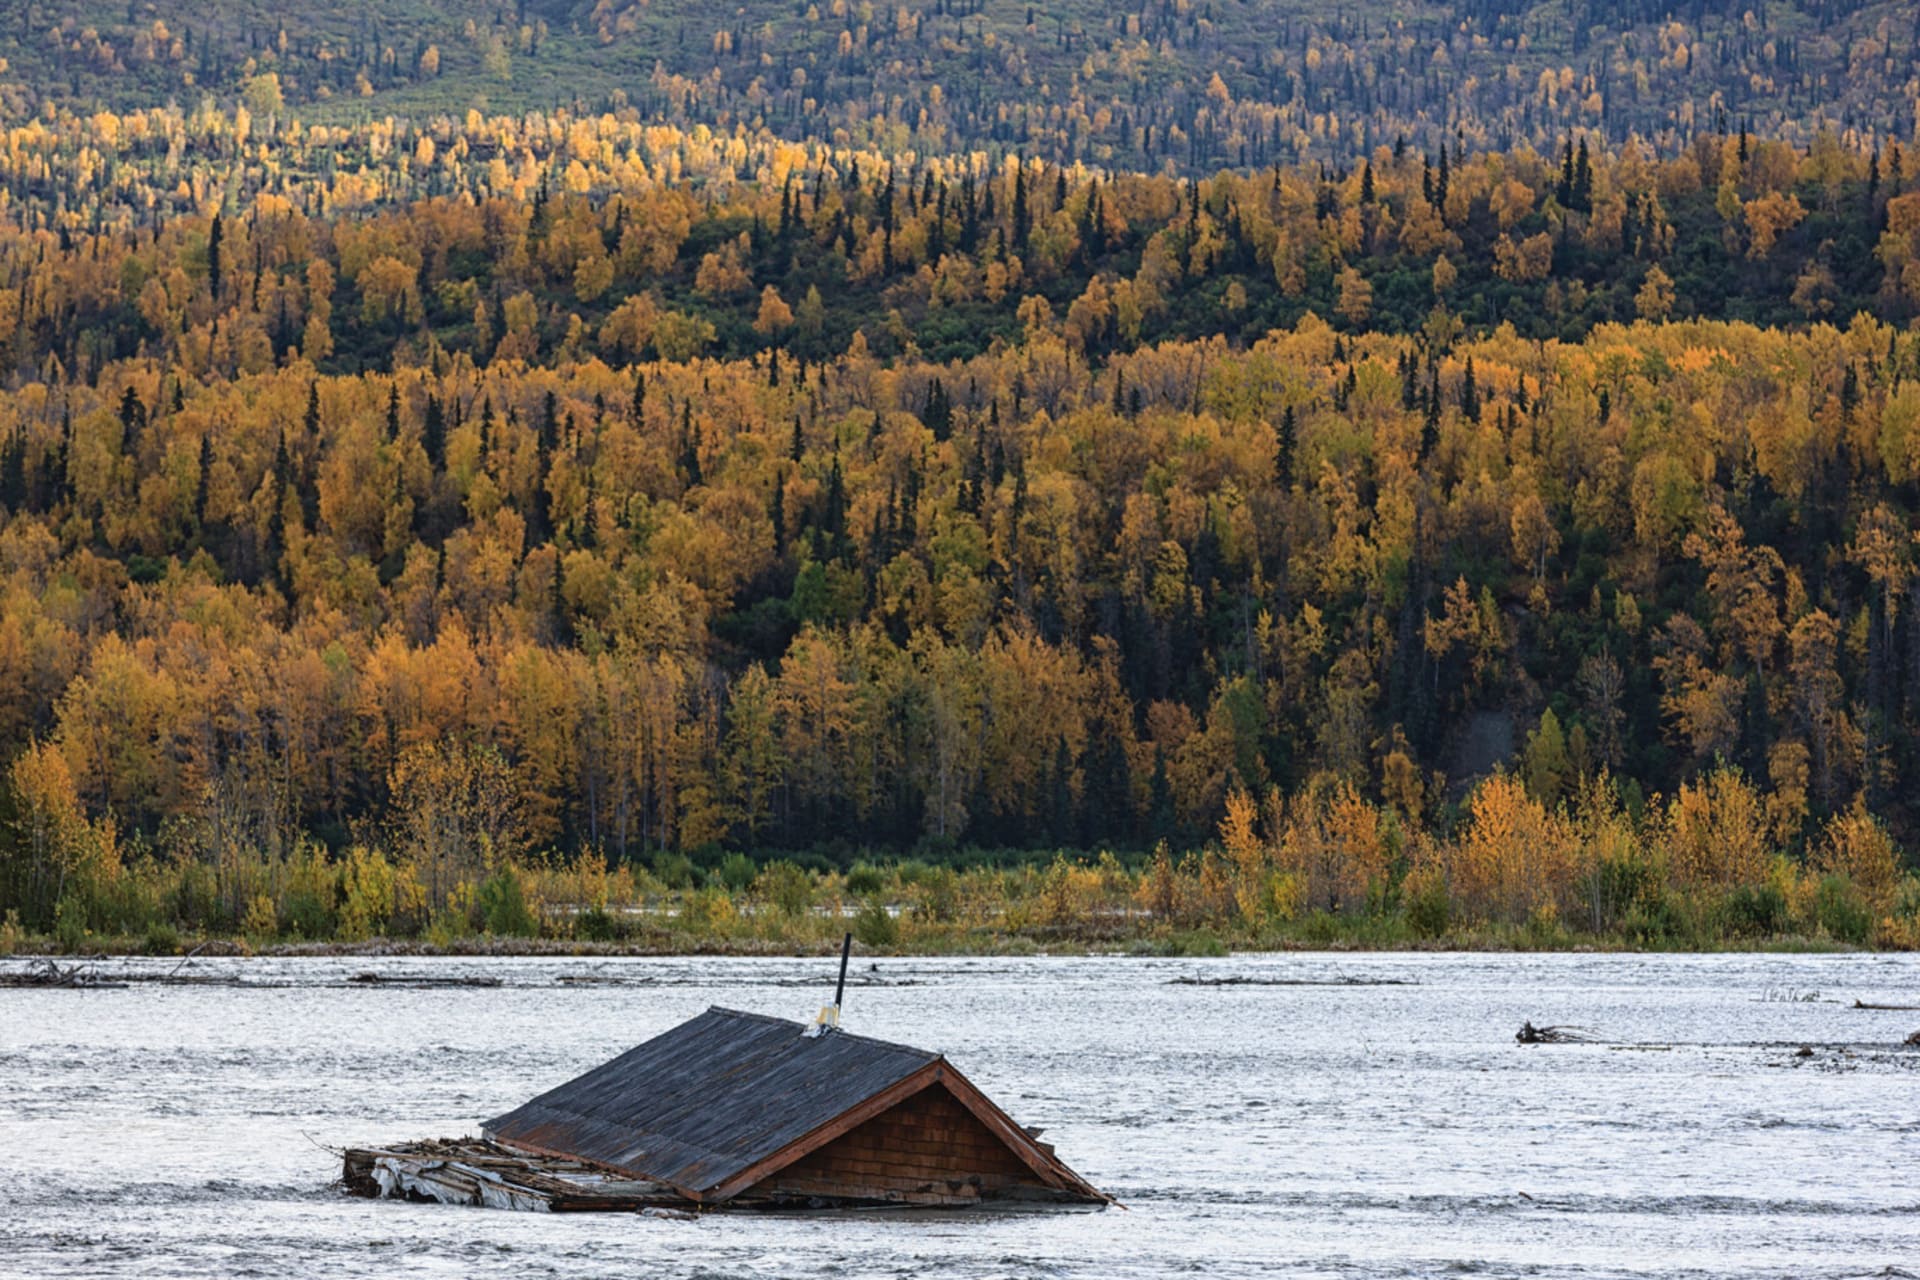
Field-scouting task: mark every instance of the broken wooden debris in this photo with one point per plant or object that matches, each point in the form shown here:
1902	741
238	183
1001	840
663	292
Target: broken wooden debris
489	1174
217	946
495	1175
51	973
1530	1034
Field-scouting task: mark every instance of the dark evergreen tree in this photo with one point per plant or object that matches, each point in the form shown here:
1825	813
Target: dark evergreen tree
13	473
201	482
833	519
938	413
1022	220
215	235
1283	450
133	419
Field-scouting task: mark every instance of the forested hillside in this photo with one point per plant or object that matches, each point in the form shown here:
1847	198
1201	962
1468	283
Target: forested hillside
1193	85
603	234
487	488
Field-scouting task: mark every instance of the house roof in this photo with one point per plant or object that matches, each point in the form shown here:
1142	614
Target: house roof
705	1102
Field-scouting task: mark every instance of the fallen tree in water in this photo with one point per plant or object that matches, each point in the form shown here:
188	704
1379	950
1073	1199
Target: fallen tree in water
420	980
1530	1034
51	973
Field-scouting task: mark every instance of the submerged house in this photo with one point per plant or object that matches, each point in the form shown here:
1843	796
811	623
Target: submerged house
739	1109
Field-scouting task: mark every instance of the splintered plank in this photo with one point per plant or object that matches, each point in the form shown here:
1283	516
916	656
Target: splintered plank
494	1175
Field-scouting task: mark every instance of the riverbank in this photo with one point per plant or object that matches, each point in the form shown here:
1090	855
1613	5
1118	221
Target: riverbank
1238	896
1196	943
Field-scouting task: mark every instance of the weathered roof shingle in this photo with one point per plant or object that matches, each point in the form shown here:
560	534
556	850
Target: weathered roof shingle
703	1102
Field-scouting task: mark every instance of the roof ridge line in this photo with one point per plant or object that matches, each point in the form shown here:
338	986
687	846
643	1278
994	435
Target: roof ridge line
747	1013
930	1054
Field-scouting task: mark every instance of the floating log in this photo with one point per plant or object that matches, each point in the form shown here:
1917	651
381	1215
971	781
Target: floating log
417	980
1530	1034
1897	1008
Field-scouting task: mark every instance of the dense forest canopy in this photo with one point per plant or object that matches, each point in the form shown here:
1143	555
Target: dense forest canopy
1186	85
606	234
1500	522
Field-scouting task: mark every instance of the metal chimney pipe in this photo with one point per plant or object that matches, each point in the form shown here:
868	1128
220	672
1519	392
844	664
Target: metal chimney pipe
846	949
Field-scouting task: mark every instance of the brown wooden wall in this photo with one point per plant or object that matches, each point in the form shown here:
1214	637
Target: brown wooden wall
926	1150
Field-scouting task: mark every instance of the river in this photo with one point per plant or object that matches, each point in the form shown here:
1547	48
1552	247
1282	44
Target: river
1300	1115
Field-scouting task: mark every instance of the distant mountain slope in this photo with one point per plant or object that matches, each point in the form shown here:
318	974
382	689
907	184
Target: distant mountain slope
1143	84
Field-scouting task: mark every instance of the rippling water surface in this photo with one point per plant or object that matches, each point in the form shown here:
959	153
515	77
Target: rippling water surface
1333	1115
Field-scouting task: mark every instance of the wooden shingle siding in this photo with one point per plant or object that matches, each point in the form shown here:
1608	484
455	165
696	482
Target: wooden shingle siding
926	1150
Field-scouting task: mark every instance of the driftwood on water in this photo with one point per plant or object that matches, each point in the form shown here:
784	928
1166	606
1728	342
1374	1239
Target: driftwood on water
1530	1034
1240	980
51	973
419	980
1898	1008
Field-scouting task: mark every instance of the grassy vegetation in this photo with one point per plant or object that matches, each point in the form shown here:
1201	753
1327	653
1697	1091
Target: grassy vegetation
1006	904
